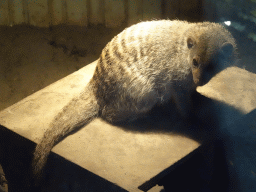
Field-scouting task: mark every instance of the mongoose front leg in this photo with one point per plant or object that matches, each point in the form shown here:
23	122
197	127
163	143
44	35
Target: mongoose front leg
183	102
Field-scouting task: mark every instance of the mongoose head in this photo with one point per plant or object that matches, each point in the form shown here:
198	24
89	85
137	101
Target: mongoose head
208	57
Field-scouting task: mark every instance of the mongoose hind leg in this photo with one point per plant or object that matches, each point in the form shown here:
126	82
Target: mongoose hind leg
126	111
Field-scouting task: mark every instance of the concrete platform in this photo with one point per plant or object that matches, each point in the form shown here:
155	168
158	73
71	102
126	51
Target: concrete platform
239	143
129	157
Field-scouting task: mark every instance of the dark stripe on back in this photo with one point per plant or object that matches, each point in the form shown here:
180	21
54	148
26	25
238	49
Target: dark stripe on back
123	43
98	68
141	46
121	69
134	54
103	62
141	52
100	61
117	53
96	72
108	60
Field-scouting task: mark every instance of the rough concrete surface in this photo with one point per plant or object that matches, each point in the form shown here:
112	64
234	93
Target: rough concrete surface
32	58
234	87
239	140
126	158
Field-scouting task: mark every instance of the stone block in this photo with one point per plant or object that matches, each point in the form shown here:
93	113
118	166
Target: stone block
118	157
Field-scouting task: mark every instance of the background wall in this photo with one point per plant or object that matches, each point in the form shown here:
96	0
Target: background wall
111	13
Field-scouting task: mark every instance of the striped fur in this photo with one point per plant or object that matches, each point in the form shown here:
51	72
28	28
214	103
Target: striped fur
145	65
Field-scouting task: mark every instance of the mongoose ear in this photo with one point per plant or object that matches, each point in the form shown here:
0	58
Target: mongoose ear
190	42
227	50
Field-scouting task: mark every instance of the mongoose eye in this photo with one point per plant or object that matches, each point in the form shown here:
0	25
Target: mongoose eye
195	63
190	43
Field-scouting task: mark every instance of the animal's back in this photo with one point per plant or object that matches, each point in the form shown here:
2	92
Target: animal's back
144	47
138	67
135	66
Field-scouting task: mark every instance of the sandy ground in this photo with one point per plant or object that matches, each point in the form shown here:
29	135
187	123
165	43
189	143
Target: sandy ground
32	58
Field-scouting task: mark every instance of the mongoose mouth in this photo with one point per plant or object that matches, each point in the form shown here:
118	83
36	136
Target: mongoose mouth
199	83
196	81
203	81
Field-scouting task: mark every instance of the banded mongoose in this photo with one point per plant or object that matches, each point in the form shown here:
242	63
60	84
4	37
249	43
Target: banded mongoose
145	65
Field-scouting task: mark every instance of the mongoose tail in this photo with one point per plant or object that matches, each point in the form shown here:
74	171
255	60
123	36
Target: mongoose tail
83	109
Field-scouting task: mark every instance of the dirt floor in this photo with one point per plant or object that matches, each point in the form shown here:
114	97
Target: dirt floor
32	58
